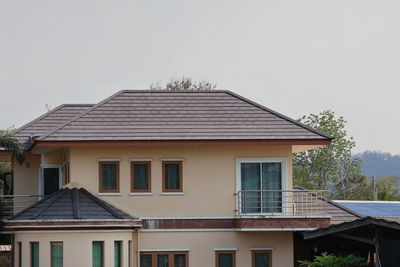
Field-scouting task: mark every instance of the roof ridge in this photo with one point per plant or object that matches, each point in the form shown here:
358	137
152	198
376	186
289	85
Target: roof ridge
279	115
172	91
80	115
102	203
52	200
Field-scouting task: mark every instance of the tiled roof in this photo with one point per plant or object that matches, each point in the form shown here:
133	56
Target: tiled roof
47	122
71	204
339	213
144	115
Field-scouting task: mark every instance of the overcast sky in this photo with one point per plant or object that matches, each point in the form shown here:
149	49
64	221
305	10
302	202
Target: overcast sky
297	57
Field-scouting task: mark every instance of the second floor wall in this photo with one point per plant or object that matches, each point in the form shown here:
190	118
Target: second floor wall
209	176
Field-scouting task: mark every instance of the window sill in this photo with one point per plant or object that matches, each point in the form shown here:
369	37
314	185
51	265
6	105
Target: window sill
172	194
141	194
109	194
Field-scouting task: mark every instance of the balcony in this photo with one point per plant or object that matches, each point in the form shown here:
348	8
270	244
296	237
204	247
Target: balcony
12	204
267	203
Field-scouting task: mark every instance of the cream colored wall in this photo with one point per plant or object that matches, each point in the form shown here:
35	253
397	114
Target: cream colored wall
26	176
209	177
202	245
77	247
57	156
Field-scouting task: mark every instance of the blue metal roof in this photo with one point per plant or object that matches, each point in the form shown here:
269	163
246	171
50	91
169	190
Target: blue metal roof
373	208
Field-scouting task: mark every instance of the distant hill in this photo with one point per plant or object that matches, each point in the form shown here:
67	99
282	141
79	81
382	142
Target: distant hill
376	163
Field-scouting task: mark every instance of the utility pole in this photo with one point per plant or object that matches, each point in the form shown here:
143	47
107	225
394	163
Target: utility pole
374	189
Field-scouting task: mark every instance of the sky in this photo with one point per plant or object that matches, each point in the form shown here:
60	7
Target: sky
296	57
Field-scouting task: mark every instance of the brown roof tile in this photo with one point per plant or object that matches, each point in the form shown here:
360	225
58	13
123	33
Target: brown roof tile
47	122
179	115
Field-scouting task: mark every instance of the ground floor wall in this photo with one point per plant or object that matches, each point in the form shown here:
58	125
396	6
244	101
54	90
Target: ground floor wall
77	247
201	247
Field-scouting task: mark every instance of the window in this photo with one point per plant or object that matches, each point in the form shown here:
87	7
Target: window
98	254
34	254
262	258
129	253
56	254
225	258
109	176
164	259
261	182
117	253
172	176
20	254
140	175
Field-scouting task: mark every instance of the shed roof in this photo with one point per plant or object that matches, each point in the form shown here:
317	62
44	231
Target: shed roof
132	115
71	204
358	225
373	208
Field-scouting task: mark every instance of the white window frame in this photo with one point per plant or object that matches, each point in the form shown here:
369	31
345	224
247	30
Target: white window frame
284	178
41	178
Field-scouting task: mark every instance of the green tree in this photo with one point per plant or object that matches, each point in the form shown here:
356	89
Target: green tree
332	167
7	142
327	260
387	188
184	83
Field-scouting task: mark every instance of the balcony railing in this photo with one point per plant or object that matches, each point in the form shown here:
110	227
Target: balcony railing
12	204
282	202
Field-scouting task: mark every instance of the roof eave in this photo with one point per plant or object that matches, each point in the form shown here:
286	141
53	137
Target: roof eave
65	143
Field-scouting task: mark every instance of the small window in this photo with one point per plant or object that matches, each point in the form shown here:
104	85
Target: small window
141	176
56	254
262	258
117	253
129	253
34	254
225	258
20	254
109	177
172	176
164	259
98	254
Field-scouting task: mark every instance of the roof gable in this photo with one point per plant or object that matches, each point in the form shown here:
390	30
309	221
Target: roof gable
145	115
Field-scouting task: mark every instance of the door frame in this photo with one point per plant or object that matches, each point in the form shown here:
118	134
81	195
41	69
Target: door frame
284	178
41	178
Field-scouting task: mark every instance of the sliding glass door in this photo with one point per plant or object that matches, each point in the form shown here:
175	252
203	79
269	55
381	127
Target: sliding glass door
261	186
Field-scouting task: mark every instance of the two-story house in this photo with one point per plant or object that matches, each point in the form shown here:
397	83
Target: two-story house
149	178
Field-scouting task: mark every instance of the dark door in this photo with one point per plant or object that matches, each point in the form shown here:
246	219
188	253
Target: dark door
51	180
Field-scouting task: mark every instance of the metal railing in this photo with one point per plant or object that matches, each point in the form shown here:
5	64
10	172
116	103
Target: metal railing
12	204
282	202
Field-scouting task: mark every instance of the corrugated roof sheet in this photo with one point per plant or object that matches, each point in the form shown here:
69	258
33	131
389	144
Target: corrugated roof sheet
71	204
373	208
47	122
176	115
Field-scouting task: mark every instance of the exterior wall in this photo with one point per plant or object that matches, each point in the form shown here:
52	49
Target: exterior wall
77	247
209	177
26	176
202	245
57	156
